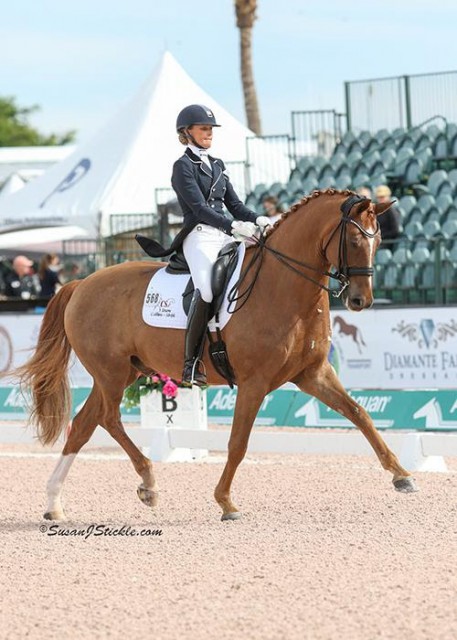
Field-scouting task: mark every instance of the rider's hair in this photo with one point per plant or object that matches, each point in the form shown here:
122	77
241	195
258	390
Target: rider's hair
183	139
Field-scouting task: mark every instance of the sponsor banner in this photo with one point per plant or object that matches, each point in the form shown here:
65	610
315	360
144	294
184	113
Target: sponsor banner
393	409
408	348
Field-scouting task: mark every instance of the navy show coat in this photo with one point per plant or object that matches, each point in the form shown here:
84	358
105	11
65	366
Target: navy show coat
202	196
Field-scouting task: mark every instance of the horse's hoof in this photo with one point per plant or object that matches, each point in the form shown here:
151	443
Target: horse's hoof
405	485
147	496
235	515
54	515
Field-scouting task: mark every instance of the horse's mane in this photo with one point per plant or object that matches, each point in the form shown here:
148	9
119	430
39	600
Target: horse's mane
304	201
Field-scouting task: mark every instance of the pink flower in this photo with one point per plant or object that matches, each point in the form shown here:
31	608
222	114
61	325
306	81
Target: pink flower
170	389
155	379
164	377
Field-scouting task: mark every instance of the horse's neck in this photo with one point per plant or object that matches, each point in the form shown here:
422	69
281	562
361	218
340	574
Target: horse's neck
280	291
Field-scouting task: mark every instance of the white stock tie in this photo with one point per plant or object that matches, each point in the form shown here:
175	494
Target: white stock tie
205	158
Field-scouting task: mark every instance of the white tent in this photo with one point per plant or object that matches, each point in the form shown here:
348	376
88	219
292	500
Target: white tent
13	184
119	170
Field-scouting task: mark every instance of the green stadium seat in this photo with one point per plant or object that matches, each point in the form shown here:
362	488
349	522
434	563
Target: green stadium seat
404	156
342	170
426	202
310	184
378	179
326	182
383	256
391	277
443	202
433	214
353	158
440	146
326	170
449	229
452	177
436	180
260	190
415	215
310	172
451	213
425	157
414	229
381	136
420	255
388	158
432	229
360	180
402	256
407	203
343	181
453	252
433	131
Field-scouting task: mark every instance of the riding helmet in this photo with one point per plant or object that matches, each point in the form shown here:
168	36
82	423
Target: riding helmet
195	114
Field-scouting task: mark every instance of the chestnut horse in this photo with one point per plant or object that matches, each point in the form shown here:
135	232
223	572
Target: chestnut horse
281	333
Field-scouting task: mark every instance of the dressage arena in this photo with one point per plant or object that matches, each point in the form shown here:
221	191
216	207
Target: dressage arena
326	549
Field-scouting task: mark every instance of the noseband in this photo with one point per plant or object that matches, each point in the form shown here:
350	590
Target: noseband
343	273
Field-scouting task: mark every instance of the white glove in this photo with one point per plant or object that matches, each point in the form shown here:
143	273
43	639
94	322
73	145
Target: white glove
243	230
263	222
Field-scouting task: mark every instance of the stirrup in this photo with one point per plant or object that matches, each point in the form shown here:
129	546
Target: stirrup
192	375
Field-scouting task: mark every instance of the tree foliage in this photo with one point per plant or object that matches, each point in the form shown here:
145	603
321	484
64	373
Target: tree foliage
15	130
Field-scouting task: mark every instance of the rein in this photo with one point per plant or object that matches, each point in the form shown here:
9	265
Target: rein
343	273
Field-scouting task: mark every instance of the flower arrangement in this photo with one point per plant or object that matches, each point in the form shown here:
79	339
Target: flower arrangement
146	384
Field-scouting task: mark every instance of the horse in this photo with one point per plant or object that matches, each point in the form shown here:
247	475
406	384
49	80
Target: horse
280	332
350	330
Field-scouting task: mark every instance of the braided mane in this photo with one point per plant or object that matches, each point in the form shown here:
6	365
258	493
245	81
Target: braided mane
304	201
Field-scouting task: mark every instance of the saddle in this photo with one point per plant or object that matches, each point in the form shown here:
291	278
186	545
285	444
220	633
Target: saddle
221	273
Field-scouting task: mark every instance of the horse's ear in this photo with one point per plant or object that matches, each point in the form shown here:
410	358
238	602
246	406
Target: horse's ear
363	206
383	207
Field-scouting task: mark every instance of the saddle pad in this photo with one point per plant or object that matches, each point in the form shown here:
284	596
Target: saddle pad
162	306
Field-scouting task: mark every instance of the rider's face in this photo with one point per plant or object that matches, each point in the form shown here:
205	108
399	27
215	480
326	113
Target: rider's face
202	134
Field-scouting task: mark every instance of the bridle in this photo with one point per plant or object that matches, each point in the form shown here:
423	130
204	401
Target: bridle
343	273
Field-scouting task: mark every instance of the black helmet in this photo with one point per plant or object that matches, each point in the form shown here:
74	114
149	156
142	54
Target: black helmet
195	114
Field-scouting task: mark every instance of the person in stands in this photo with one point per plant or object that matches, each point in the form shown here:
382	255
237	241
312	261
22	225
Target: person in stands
48	272
203	187
390	220
21	282
272	208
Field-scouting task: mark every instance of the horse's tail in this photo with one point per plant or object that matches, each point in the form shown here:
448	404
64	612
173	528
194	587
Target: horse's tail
45	374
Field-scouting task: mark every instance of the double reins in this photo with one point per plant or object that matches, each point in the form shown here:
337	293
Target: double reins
343	273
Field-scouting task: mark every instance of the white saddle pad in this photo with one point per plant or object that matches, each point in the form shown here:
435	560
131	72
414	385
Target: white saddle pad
162	306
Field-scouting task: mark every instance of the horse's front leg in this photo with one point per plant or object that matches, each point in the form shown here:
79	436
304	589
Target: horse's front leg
248	402
325	386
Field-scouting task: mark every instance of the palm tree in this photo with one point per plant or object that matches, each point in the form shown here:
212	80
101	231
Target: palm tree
245	17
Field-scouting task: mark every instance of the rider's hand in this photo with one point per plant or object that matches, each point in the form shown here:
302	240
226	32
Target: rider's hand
243	230
263	222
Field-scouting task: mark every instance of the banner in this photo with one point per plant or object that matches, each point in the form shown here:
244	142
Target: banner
407	348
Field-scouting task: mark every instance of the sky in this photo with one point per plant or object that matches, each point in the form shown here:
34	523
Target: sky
80	62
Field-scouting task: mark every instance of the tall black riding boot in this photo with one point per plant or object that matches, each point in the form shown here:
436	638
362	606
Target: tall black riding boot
197	322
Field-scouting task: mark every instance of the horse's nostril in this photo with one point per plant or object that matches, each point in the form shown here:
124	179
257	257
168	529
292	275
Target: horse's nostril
357	302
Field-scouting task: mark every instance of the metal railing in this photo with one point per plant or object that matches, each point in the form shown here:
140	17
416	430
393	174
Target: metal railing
401	101
316	133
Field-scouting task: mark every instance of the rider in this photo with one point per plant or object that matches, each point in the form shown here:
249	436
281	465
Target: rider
202	186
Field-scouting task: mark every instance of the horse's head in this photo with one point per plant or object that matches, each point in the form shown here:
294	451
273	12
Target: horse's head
351	248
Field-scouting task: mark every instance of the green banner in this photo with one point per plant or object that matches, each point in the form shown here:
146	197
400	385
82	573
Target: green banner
419	410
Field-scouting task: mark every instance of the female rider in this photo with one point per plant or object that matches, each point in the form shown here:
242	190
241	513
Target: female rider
202	186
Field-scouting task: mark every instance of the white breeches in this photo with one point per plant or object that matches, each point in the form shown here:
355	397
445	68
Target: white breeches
201	248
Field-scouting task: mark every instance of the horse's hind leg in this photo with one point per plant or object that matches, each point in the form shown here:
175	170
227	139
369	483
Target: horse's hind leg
326	386
113	390
83	427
